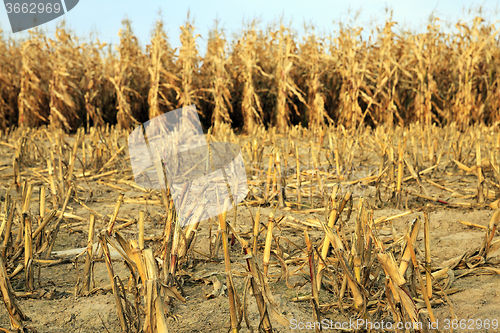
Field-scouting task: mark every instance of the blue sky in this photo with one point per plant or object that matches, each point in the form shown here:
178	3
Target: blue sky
104	17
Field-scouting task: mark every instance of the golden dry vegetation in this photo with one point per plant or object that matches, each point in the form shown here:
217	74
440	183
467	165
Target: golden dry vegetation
345	220
345	214
269	77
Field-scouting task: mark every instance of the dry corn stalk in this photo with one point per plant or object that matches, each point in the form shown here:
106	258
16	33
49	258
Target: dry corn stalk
231	292
267	246
115	287
490	232
326	243
427	244
16	316
128	76
349	276
162	80
65	96
220	84
400	173
312	274
28	252
155	313
187	64
250	105
285	86
414	227
87	271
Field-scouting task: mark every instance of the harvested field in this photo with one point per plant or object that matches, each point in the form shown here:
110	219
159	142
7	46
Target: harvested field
373	169
389	224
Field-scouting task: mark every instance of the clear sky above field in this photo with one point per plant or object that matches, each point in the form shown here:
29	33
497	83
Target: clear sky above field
104	16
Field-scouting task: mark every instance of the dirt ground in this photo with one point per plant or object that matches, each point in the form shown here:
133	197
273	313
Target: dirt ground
55	308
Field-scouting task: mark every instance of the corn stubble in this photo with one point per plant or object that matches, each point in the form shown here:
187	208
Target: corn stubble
351	267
